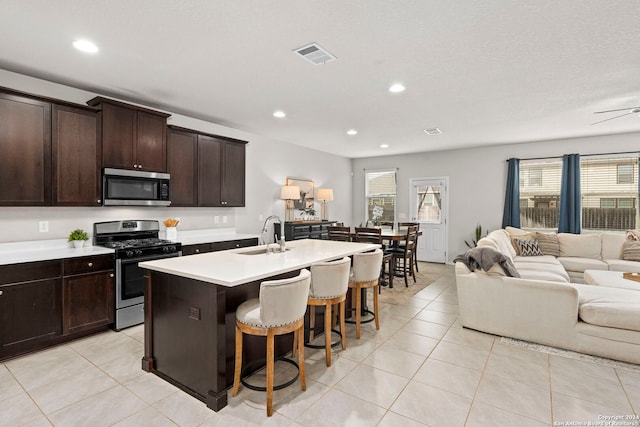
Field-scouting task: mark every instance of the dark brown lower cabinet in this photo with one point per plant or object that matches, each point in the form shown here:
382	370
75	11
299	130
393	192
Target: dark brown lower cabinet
88	301
30	310
202	248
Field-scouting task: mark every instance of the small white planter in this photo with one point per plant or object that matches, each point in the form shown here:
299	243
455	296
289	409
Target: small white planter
78	243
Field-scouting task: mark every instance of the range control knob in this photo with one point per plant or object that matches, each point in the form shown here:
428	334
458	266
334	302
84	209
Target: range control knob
138	252
129	253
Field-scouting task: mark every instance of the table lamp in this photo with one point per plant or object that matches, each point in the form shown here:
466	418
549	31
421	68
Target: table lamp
325	195
289	193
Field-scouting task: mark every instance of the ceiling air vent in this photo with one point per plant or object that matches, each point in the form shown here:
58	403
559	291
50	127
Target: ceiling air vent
433	131
315	54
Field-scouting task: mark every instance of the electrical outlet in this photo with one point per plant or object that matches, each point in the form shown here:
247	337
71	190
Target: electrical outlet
43	226
216	219
224	219
194	313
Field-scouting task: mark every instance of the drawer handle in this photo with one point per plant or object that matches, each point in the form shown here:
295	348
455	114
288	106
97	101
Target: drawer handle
90	264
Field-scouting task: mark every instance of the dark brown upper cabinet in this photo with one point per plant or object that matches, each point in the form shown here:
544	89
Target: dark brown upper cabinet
206	170
25	144
77	156
132	137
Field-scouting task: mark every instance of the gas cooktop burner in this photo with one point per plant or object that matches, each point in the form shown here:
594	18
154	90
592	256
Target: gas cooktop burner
137	243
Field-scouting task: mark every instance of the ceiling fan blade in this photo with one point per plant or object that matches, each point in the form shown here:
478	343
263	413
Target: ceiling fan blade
611	118
620	109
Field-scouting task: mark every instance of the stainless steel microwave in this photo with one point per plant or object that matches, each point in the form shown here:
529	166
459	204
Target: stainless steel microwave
121	187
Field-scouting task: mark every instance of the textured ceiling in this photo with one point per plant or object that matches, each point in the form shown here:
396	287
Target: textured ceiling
485	73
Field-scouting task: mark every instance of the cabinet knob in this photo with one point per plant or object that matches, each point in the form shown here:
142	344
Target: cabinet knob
99	201
135	166
140	166
111	275
1	292
197	251
90	264
237	245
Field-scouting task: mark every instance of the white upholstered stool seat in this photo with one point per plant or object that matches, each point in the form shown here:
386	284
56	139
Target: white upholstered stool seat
279	310
365	273
329	282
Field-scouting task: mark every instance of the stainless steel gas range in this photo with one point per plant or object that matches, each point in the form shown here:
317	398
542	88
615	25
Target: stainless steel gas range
134	242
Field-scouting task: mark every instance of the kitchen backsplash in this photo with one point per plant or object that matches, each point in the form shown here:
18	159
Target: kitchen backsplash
23	223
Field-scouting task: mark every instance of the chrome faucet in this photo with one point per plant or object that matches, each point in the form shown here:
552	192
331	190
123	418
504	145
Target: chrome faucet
265	229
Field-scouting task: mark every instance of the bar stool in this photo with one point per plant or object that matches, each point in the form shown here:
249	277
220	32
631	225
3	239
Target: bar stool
329	282
365	274
279	310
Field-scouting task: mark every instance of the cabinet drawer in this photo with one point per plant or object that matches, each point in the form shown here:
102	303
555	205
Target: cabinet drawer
29	271
88	264
233	244
201	248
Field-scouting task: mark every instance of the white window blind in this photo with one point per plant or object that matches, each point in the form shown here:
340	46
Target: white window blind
540	193
380	192
609	188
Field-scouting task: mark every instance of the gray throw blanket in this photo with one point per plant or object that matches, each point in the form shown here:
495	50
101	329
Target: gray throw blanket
484	257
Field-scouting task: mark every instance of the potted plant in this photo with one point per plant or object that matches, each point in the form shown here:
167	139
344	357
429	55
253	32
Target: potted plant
474	242
78	237
376	215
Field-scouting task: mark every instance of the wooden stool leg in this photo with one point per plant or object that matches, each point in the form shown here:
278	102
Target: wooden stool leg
327	333
270	369
238	368
295	344
375	308
343	329
312	322
358	312
303	378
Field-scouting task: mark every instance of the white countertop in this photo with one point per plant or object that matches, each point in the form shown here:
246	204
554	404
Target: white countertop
43	250
194	237
232	267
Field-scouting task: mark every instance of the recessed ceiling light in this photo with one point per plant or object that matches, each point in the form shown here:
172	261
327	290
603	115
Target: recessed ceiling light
279	114
352	132
432	131
384	146
397	88
85	46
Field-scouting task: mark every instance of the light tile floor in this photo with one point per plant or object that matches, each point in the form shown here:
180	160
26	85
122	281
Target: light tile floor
421	368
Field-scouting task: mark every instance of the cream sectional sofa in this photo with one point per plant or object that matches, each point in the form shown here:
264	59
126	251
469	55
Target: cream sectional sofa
548	305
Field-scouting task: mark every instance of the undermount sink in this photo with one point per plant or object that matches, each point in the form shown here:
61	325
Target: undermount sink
262	251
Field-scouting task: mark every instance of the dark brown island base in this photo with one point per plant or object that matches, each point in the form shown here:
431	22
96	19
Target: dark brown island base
190	305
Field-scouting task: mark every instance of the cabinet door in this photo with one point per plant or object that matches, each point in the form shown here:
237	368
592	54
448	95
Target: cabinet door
209	176
234	244
182	165
25	159
118	136
151	146
77	157
233	169
88	301
30	315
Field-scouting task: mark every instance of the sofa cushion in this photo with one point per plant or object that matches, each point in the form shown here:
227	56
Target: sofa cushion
526	269
549	243
542	259
622	265
552	276
572	263
579	245
612	245
609	307
631	250
608	334
527	247
501	240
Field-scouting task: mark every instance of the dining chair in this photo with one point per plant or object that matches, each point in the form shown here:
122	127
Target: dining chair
403	258
415	252
342	234
374	235
279	310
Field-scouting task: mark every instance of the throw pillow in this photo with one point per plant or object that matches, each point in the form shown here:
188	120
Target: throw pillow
528	247
633	235
631	250
549	243
523	236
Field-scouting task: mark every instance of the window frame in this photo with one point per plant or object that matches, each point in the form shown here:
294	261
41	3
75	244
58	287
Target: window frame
367	197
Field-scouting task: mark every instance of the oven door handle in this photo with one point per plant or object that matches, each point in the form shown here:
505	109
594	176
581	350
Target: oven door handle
148	258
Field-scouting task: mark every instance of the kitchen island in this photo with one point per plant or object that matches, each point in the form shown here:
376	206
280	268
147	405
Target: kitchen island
190	305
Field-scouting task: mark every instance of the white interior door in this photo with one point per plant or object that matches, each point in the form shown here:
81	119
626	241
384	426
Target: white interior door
429	207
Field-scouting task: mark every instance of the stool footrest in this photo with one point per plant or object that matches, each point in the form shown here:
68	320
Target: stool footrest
333	344
373	317
260	362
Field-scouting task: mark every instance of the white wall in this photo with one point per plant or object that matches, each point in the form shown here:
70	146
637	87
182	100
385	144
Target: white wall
477	178
269	162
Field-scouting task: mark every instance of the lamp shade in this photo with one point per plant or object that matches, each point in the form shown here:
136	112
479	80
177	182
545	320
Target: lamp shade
290	192
325	194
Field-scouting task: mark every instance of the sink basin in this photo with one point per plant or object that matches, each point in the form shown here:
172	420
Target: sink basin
261	251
